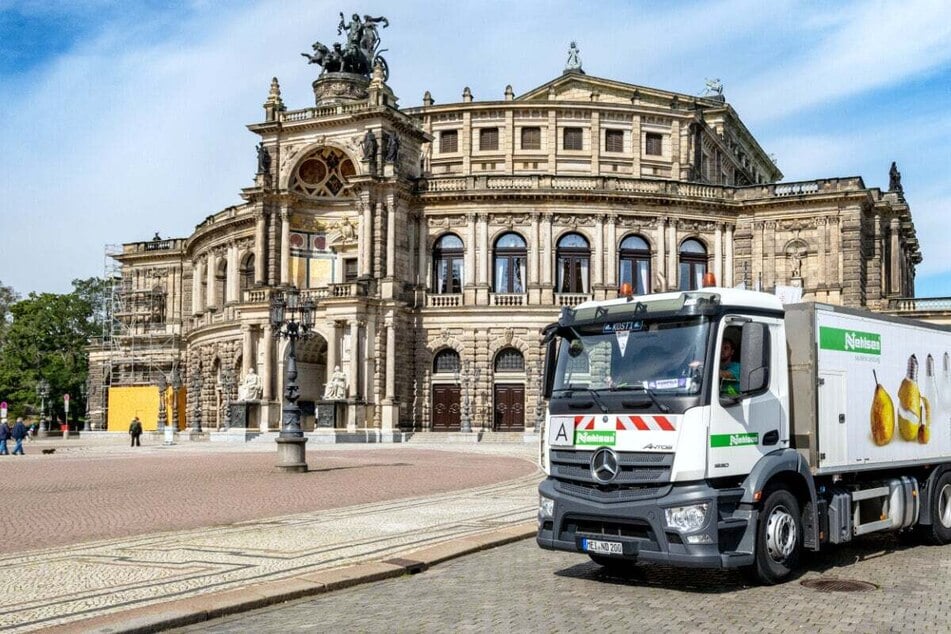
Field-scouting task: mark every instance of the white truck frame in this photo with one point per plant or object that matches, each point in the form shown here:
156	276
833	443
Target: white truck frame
665	466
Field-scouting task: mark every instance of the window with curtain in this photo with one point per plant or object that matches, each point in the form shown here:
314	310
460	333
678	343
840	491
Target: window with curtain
653	144
614	140
693	264
509	270
221	281
635	264
573	139
446	361
448	141
573	255
448	265
489	139
531	138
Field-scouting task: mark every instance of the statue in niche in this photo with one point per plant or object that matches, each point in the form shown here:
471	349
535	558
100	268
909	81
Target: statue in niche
392	147
796	253
369	146
264	159
336	389
348	233
251	388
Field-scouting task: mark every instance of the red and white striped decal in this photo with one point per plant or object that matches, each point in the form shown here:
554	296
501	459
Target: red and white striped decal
584	422
645	423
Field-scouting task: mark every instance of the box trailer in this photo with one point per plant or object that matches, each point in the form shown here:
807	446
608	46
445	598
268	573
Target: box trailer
718	428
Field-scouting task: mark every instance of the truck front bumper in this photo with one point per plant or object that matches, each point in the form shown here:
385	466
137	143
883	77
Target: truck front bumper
640	527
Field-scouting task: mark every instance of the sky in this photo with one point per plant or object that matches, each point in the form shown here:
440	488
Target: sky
125	118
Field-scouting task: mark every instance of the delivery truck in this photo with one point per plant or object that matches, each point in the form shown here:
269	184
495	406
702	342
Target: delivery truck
718	428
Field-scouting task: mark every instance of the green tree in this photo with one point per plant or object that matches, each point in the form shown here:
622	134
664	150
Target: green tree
8	297
47	339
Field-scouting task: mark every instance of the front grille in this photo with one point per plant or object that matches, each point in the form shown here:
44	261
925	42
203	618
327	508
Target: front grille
600	493
597	528
636	468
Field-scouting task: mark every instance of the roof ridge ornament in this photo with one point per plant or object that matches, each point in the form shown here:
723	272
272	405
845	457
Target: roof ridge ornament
714	90
573	65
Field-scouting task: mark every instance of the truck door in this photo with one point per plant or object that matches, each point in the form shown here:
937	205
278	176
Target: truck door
832	428
745	428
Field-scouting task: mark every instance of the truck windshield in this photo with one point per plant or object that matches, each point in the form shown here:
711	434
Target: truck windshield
661	356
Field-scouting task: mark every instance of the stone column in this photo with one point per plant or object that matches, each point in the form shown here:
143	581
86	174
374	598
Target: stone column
197	273
332	349
484	262
660	258
895	258
211	265
821	237
636	146
259	238
610	256
391	241
718	254
470	278
246	360
546	251
232	291
673	271
285	245
390	361
366	238
728	281
369	362
354	368
423	248
598	268
267	372
534	273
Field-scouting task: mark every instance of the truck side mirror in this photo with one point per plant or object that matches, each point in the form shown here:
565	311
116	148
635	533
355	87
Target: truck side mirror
548	378
754	358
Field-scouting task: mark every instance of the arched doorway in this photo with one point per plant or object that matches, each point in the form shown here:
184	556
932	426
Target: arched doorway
446	408
509	391
311	376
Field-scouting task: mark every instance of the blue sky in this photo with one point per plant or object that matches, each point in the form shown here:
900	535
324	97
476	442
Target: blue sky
123	118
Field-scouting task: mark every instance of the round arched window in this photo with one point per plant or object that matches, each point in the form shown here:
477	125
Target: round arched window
509	360
634	264
323	174
574	257
509	269
693	264
446	361
448	265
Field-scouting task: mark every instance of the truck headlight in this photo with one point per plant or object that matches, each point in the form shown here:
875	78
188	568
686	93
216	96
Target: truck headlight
687	519
546	508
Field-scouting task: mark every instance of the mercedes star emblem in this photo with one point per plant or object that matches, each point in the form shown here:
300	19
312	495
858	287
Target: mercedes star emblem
604	465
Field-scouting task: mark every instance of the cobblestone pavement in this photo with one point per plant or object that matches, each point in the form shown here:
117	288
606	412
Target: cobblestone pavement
97	491
521	588
361	505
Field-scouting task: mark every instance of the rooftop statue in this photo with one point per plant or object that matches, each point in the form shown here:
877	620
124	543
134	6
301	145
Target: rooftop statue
574	58
714	87
360	53
894	179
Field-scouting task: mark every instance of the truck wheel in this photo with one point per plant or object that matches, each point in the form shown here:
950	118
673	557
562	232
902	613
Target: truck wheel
778	538
939	532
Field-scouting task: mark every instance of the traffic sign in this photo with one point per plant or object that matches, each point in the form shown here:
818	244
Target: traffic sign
66	397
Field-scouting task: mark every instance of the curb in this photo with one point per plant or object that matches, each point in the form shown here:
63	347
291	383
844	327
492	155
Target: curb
164	616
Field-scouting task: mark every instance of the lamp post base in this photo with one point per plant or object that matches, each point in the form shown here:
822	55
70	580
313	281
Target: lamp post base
291	454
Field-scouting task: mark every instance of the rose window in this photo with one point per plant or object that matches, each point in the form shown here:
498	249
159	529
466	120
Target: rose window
323	174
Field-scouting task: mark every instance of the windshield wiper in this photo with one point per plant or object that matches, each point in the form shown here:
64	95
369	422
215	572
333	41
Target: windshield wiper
641	388
594	394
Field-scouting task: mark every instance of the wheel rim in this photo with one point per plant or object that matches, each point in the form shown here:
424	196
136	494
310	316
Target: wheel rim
944	506
781	534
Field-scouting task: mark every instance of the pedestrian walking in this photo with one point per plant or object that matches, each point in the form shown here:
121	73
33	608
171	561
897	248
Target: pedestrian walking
18	433
135	430
4	436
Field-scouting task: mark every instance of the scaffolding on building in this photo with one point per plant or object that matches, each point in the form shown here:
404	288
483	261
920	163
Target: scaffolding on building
137	343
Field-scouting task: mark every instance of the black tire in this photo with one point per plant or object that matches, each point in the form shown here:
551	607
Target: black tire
939	532
778	539
613	564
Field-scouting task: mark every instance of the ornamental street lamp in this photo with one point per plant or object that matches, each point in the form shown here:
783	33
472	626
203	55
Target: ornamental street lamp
176	381
83	392
162	384
466	377
43	391
227	386
291	319
196	390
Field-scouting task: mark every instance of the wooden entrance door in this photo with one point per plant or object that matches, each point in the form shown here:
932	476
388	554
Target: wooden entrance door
446	410
509	407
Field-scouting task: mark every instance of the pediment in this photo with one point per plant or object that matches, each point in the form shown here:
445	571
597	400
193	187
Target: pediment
579	87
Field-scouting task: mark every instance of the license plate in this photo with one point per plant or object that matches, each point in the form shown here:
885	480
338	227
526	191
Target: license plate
602	547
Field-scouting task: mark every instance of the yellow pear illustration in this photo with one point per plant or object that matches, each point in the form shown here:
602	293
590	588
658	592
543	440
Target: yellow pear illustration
924	430
909	402
882	415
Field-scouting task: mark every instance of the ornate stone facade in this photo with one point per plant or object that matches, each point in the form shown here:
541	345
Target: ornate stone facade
438	240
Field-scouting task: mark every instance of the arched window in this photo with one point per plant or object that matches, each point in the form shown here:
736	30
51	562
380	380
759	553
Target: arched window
510	256
246	272
635	264
509	360
448	270
574	256
446	361
221	282
693	264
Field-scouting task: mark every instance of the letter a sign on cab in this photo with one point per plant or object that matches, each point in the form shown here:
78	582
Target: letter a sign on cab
561	432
